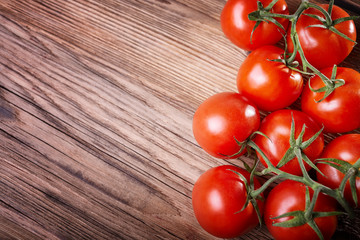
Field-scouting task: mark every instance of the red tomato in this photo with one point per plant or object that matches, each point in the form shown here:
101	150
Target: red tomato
237	26
315	41
346	148
340	111
221	119
270	85
289	196
277	127
218	196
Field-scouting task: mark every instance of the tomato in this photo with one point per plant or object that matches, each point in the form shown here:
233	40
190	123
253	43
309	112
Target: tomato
315	41
221	119
270	85
340	111
218	196
289	196
346	148
237	27
277	126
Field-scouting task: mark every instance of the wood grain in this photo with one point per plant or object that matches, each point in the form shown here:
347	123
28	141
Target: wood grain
96	104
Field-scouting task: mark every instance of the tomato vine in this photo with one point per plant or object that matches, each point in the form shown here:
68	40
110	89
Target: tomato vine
264	14
350	171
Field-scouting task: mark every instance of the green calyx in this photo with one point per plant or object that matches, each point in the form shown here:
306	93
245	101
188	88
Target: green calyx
297	146
263	14
330	84
326	22
299	218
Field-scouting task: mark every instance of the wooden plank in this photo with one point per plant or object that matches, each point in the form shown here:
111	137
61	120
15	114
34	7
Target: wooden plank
77	132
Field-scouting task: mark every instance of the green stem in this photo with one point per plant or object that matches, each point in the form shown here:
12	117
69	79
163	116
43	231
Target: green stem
278	15
306	179
296	16
261	189
310	209
303	6
305	63
347	176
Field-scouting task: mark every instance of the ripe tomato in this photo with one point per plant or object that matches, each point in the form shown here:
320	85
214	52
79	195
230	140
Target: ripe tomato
221	119
340	111
218	196
277	126
315	41
270	85
237	26
346	148
289	196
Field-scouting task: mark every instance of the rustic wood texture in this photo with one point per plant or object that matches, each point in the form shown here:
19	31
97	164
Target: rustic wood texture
96	104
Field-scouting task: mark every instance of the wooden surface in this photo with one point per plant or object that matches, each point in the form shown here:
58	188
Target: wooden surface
96	106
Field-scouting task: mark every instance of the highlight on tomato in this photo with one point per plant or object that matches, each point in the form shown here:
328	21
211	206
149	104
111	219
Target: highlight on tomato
222	121
323	42
290	196
277	126
345	148
340	111
271	85
238	28
219	196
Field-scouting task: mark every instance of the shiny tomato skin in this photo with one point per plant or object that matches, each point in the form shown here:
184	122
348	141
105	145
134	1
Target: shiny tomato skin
237	27
346	148
217	196
340	111
270	85
221	119
315	41
277	127
289	196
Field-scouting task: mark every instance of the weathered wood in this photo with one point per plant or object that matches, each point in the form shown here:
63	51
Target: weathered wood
96	103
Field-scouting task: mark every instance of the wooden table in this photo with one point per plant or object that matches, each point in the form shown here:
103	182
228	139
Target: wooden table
96	106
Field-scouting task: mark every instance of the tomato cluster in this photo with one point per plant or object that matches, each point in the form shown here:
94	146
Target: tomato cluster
228	201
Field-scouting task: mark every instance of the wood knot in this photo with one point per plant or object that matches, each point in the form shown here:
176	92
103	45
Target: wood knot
7	113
